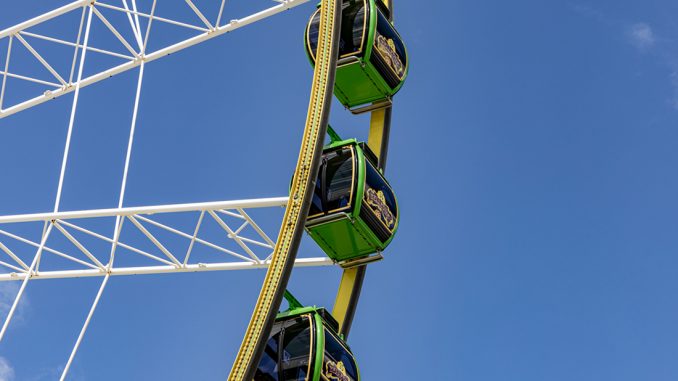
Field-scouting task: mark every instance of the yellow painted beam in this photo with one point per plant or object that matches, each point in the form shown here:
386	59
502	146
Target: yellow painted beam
279	270
377	120
342	302
354	276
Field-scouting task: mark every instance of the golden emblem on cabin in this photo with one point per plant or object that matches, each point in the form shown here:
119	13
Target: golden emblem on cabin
387	48
336	371
377	202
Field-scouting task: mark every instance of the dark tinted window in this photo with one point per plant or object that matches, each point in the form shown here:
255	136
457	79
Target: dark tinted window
317	202
334	184
338	362
288	352
379	197
352	28
296	350
390	47
338	178
268	366
312	37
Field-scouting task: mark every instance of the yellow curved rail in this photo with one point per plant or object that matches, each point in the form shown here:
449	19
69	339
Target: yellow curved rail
301	192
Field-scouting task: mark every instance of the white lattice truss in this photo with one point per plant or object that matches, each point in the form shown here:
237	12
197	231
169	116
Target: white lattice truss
133	53
86	259
29	242
255	246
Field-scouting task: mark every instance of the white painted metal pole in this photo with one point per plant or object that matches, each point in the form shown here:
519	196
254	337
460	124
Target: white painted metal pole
27	277
118	222
166	269
195	236
196	239
155	241
233	235
30	79
79	245
13	256
77	45
11	266
73	110
84	327
256	227
44	17
136	20
200	15
115	31
130	211
148	28
135	31
4	76
130	141
221	12
41	59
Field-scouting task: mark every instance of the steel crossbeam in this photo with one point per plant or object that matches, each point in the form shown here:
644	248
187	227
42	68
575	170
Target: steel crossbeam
254	244
132	52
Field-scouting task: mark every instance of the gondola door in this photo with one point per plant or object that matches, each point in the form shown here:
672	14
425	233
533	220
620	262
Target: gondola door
289	352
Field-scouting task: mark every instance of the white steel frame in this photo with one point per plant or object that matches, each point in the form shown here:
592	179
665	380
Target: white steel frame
133	52
85	260
95	265
141	217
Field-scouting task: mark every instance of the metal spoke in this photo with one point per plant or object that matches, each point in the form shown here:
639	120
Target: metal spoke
39	58
4	74
114	31
72	44
233	235
10	314
78	245
13	256
195	236
155	241
200	15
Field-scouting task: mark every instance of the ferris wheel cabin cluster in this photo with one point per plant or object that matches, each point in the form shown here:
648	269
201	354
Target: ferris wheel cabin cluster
354	212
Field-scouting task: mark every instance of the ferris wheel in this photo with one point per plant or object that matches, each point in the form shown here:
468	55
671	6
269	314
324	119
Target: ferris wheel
339	194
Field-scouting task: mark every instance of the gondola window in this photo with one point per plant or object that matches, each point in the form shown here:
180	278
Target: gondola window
339	363
339	179
268	366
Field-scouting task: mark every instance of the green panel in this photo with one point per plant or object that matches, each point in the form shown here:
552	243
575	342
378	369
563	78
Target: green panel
319	347
340	240
371	29
357	84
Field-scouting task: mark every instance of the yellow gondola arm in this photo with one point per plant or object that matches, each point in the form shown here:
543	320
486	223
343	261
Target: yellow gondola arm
376	136
352	278
388	4
343	300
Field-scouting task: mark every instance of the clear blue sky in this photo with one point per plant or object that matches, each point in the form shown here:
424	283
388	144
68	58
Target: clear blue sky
533	152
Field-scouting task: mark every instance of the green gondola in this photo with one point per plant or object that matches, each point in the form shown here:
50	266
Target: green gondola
354	212
373	60
304	346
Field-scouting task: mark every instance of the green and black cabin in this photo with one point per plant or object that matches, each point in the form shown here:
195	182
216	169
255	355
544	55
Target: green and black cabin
304	346
373	60
354	212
